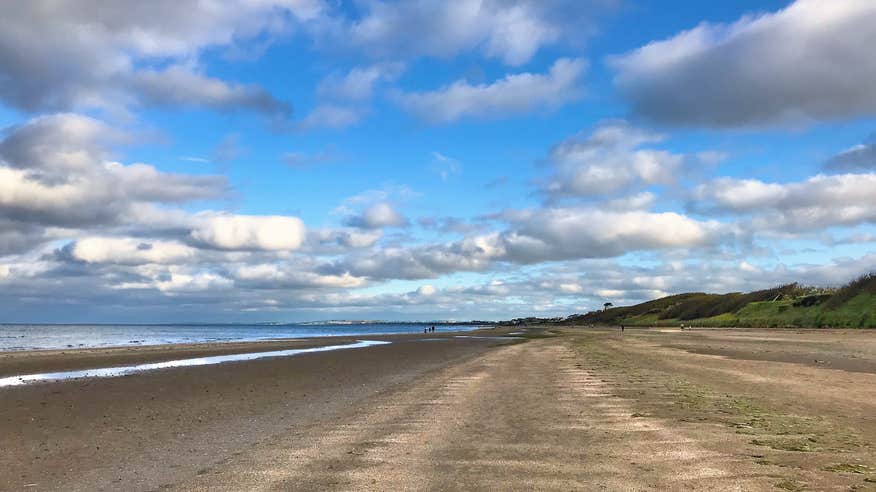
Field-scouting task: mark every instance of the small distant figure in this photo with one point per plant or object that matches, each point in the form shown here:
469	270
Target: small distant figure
433	328
425	330
622	328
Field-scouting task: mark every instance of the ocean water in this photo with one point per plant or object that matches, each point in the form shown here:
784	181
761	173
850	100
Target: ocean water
35	337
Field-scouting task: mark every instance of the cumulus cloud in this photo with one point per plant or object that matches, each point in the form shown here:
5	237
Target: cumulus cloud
174	280
178	86
608	159
536	236
61	56
817	202
127	251
58	143
808	62
56	183
16	237
283	276
570	233
55	172
640	201
448	225
514	94
249	232
426	290
377	216
336	241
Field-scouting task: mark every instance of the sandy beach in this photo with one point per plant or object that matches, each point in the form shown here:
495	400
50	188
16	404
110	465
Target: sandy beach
581	409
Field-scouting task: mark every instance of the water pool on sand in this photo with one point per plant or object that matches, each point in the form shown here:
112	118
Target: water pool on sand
108	372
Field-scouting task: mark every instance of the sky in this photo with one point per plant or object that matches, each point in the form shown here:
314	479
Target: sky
299	160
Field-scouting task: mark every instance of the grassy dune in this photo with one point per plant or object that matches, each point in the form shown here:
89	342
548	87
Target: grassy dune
851	306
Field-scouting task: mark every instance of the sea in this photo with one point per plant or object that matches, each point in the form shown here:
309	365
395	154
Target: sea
62	336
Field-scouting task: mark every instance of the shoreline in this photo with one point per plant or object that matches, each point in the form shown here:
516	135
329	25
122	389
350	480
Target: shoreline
214	334
120	371
142	431
21	362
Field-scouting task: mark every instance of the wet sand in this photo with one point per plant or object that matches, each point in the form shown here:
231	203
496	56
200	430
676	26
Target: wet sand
33	361
585	409
148	430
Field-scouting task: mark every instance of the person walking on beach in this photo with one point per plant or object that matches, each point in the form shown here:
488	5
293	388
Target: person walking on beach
622	328
433	328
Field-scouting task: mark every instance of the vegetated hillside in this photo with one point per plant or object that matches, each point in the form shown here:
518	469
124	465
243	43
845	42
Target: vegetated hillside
851	306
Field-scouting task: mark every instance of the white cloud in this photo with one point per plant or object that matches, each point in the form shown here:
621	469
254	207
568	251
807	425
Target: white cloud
128	251
58	143
179	86
640	201
61	55
55	172
511	31
809	61
249	232
426	290
378	216
569	233
817	202
610	159
571	288
333	241
359	83
281	276
537	236
174	280
514	94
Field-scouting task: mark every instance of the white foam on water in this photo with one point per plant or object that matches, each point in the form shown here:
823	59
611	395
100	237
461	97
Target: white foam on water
109	372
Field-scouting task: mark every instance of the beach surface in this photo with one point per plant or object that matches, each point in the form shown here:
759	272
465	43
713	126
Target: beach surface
564	408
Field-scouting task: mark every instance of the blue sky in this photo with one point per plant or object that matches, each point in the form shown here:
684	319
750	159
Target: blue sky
291	160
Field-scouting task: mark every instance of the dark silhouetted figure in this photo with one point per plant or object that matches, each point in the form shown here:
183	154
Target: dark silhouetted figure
622	328
433	328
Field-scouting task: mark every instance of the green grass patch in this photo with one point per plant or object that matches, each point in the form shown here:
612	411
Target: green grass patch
786	440
789	484
849	468
787	306
800	445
